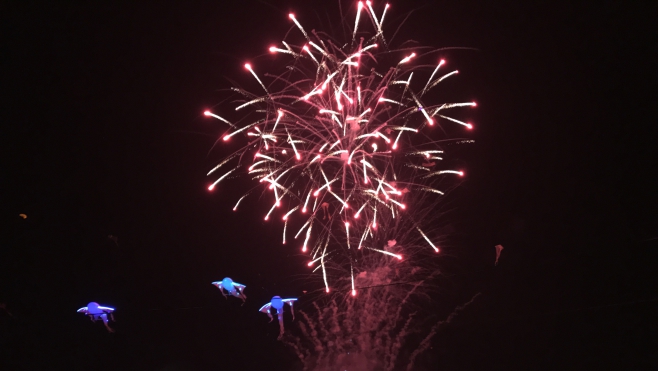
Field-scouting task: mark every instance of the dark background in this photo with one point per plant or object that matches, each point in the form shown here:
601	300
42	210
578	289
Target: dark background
103	133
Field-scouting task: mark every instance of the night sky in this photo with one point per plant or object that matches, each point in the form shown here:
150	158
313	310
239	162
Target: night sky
103	134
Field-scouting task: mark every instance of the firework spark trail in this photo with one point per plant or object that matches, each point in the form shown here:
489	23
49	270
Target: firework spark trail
397	343
374	331
314	332
425	343
334	129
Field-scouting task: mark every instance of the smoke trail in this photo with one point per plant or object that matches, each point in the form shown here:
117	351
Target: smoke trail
425	343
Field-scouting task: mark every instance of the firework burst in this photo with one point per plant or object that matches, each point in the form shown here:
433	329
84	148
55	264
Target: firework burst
341	140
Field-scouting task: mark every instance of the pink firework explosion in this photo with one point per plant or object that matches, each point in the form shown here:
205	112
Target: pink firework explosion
342	139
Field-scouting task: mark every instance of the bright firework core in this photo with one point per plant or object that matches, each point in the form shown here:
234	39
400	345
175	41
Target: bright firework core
340	138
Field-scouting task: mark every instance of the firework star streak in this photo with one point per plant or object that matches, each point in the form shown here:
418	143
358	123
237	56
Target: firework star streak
341	138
